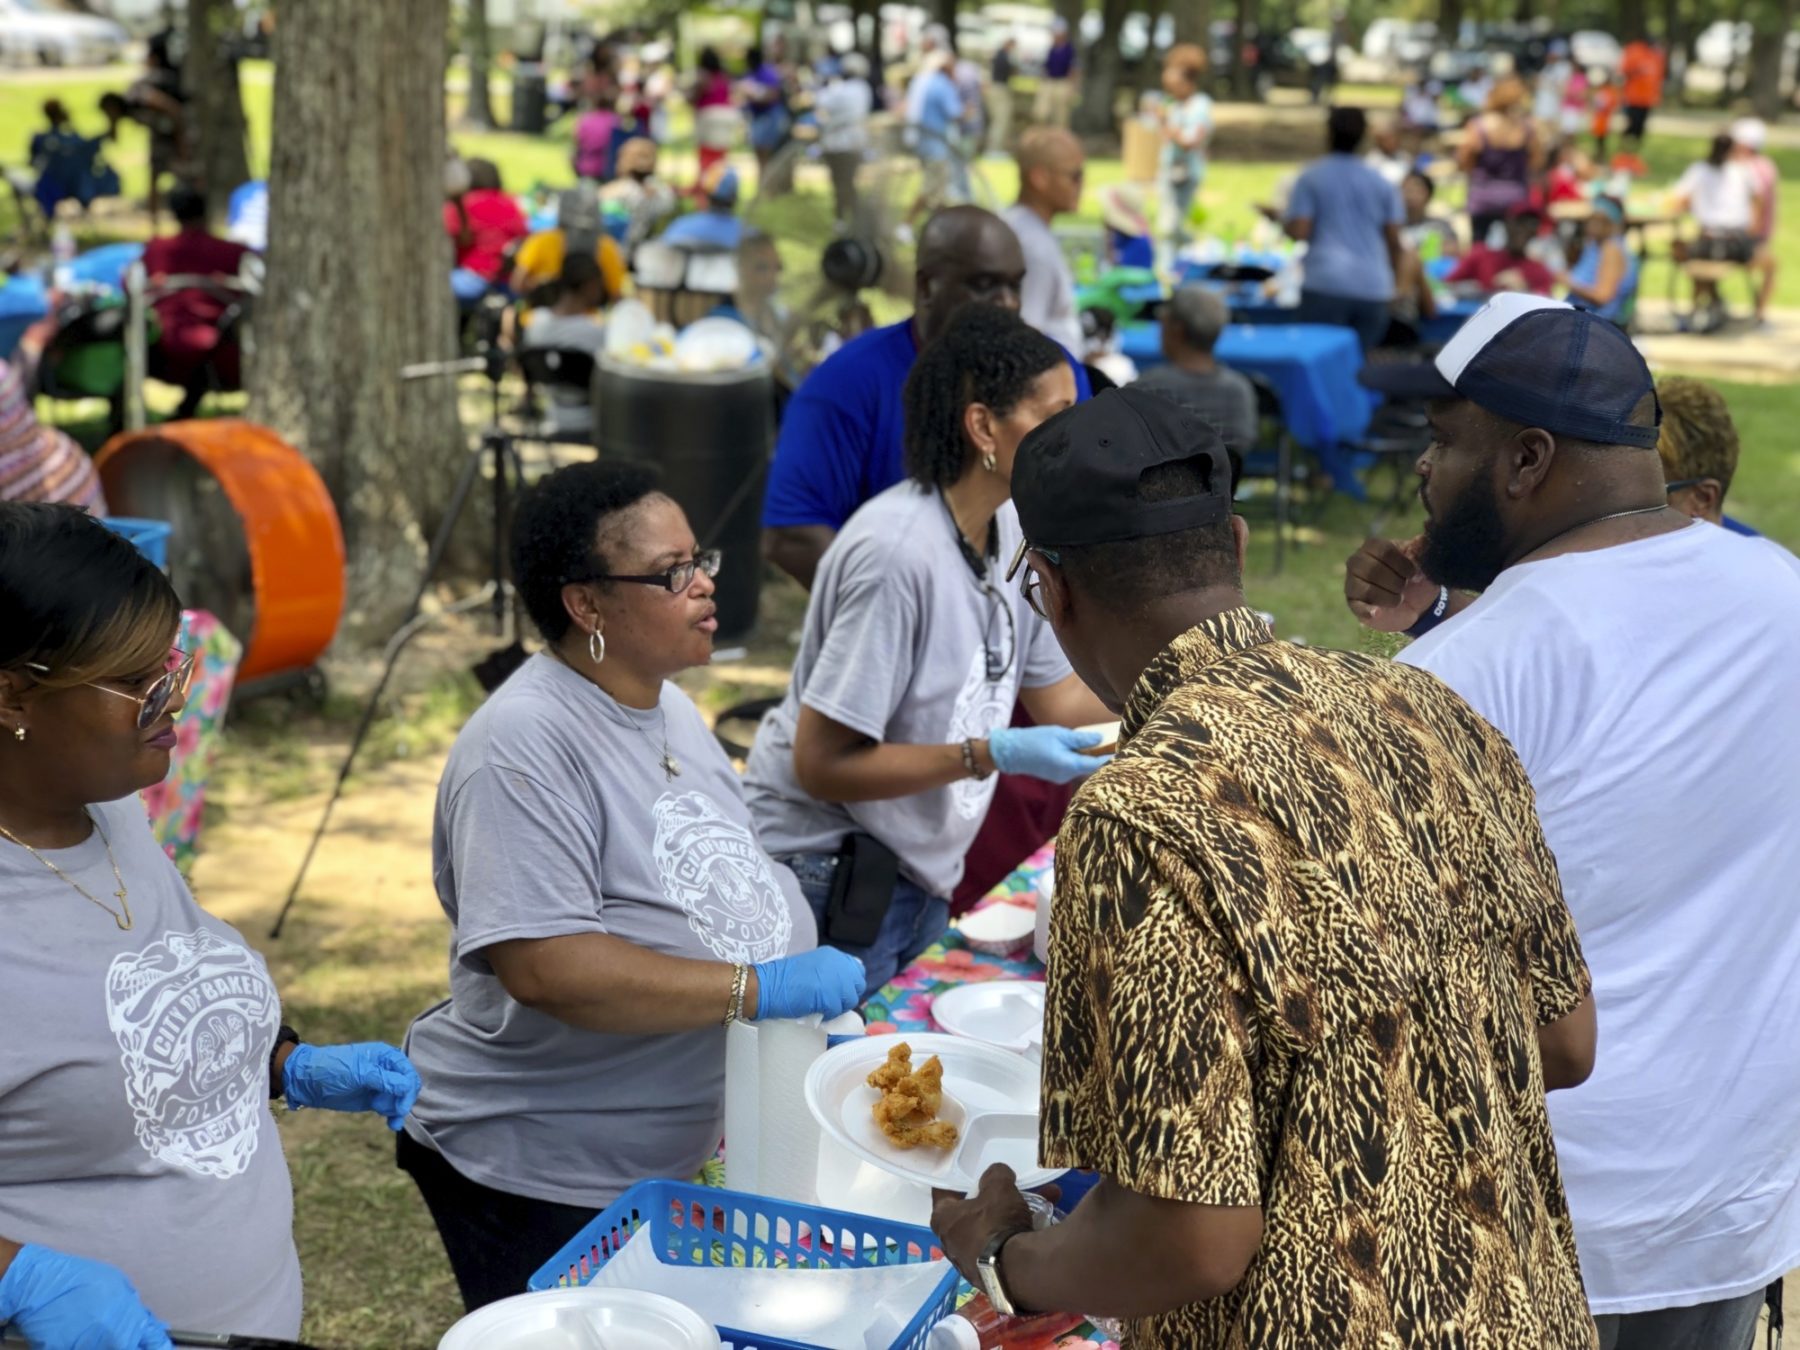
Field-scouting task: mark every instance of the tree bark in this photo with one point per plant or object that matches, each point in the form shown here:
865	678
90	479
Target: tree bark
1773	22
1101	70
1631	19
478	50
1241	74
1193	22
944	12
1070	11
1449	20
357	285
215	107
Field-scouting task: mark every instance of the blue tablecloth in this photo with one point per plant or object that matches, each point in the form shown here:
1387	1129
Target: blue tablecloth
1313	367
23	302
105	266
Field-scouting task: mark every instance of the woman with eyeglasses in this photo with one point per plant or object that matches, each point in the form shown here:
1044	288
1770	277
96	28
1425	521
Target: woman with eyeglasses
611	912
142	1183
872	777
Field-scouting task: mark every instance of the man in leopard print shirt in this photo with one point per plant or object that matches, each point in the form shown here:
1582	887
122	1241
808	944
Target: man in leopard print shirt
1311	972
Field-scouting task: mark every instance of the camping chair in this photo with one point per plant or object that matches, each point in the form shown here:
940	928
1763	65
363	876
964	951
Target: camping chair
1398	434
552	368
1273	458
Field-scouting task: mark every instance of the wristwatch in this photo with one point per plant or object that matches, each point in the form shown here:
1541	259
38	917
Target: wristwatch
987	1265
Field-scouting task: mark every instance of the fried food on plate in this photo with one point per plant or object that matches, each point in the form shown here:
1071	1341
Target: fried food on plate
898	1066
910	1100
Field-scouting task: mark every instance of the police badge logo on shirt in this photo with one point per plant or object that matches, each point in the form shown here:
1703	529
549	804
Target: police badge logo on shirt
714	869
194	1016
981	705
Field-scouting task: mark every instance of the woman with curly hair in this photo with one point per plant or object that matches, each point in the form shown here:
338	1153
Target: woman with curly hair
610	910
872	777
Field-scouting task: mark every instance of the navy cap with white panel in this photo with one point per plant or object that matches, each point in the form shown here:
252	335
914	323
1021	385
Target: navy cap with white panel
1540	363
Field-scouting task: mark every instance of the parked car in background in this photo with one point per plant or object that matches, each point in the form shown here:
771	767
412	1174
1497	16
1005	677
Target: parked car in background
35	33
1590	49
1399	44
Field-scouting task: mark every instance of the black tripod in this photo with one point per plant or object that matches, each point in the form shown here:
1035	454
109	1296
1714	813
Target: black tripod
499	455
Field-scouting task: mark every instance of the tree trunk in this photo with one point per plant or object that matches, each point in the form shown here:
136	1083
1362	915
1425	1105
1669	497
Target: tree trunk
1449	20
478	49
1774	21
1631	19
1241	73
944	12
1101	71
1193	22
215	108
1070	11
357	284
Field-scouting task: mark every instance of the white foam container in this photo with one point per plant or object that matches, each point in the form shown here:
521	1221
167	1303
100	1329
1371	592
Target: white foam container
583	1319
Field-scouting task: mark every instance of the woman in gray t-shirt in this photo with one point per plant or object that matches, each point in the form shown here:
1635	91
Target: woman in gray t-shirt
141	1175
913	655
611	909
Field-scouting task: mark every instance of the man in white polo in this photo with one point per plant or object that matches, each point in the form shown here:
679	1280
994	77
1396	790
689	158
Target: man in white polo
1644	667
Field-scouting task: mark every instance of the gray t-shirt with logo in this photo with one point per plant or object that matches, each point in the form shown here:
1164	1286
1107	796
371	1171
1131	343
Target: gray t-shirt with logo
135	1125
554	817
899	637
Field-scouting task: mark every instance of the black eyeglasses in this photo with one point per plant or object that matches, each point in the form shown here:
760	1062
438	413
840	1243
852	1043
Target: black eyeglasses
675	580
174	682
1681	483
1029	584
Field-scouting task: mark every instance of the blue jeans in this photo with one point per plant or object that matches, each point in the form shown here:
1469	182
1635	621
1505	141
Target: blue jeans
914	920
1369	318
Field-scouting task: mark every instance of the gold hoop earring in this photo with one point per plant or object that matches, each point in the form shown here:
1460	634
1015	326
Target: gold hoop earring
987	461
596	647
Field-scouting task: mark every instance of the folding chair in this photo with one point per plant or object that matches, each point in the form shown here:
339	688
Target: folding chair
1272	459
552	368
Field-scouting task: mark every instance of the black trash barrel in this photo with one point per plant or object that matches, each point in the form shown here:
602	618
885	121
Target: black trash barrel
528	98
710	437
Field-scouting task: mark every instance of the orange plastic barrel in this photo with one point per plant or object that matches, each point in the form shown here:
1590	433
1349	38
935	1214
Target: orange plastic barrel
256	538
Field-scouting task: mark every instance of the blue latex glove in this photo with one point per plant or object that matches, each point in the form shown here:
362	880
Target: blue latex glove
62	1302
368	1076
824	981
1048	753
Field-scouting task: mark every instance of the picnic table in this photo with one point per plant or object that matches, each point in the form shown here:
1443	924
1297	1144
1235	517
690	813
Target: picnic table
1313	367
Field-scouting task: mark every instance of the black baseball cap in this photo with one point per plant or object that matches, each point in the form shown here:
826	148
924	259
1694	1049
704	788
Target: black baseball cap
1540	363
1075	478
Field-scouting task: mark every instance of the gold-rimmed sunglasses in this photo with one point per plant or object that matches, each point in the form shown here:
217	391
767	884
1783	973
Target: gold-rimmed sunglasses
176	679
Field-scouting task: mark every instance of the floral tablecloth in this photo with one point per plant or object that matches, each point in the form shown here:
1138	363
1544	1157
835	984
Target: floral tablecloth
177	803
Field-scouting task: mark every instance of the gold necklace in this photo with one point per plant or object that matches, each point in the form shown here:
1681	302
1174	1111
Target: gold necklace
123	922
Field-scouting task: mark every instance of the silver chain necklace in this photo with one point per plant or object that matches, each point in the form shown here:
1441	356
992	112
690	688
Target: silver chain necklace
1611	515
671	766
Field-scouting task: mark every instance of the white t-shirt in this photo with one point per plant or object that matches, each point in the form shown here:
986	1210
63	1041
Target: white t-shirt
1721	198
1047	299
1650	692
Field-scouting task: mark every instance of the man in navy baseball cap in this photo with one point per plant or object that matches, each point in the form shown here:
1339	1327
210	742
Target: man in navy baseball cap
1544	421
1642	667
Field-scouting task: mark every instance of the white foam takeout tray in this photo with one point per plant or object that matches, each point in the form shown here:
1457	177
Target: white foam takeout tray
990	1095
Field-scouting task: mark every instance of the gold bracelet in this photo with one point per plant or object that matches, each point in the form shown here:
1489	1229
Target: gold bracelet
734	1011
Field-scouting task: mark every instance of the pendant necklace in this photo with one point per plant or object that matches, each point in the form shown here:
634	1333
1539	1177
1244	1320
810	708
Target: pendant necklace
671	766
124	921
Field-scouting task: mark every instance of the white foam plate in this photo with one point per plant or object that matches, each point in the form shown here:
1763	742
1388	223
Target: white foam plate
1006	1013
583	1319
990	1095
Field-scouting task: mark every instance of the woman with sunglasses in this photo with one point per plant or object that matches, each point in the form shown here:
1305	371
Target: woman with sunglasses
611	911
141	1176
872	777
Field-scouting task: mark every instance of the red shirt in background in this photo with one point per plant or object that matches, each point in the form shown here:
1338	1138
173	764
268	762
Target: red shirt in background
1483	265
495	221
190	319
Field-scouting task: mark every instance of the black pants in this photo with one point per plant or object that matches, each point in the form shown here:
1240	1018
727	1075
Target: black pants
495	1241
1636	119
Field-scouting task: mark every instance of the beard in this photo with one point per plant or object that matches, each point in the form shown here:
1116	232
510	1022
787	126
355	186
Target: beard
1466	545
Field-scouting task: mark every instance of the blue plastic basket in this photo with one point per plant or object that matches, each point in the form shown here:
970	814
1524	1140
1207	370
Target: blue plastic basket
692	1225
150	536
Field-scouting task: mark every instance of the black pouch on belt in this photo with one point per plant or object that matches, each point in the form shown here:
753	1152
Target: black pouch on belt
862	888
